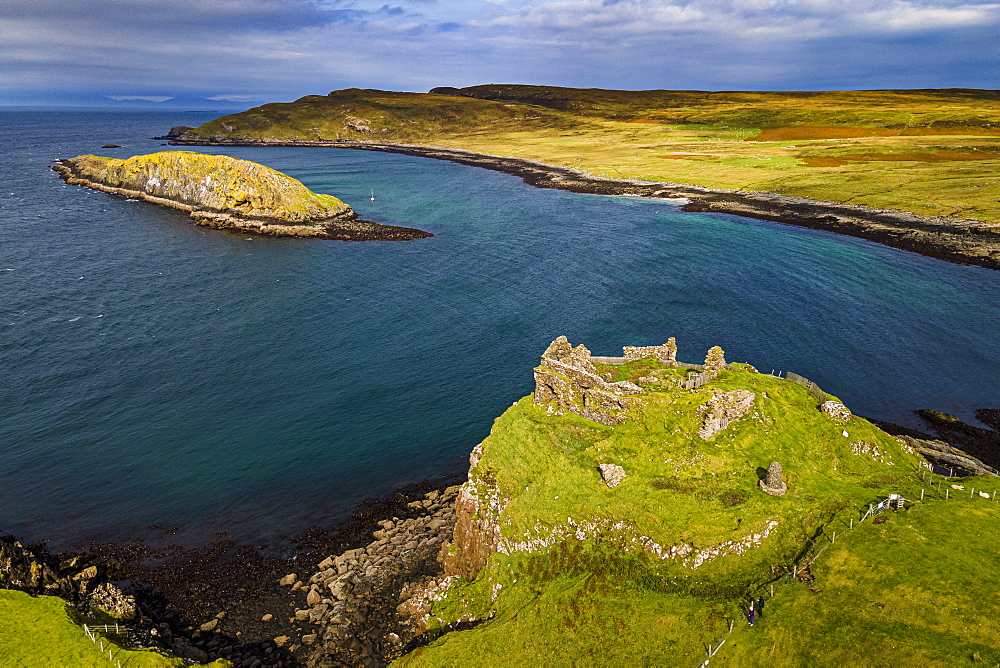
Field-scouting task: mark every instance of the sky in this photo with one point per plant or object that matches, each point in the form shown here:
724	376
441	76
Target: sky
241	53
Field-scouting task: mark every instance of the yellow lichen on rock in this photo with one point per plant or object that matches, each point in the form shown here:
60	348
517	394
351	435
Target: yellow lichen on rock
212	182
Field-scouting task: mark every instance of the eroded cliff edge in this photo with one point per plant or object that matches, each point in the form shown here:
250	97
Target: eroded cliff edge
228	193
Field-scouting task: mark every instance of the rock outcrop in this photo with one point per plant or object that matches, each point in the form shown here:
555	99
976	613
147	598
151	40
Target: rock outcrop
566	381
949	456
226	193
836	411
32	570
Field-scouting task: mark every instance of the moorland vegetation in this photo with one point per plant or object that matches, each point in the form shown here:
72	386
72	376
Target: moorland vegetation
930	152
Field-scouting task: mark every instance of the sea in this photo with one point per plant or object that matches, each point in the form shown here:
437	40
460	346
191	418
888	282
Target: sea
161	380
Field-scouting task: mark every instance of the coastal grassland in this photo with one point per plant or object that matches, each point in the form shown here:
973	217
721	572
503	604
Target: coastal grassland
45	631
931	152
919	589
589	597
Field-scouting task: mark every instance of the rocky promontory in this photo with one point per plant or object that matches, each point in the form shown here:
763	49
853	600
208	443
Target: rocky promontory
228	193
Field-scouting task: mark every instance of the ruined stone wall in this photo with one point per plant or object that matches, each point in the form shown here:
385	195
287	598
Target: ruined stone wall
567	381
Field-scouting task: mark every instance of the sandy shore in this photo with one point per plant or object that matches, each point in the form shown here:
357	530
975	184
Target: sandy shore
954	240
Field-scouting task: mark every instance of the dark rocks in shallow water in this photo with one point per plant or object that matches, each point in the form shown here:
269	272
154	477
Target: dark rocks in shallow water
989	416
359	619
111	146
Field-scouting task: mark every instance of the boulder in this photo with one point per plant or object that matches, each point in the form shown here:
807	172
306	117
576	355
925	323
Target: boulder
612	474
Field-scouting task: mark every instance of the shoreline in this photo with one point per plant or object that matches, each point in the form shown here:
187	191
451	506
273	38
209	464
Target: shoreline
226	599
960	241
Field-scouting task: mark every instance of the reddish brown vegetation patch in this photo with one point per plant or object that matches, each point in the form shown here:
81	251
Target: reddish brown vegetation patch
686	156
930	156
848	132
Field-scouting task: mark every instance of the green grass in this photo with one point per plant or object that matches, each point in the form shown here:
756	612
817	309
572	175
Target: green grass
603	598
919	589
45	631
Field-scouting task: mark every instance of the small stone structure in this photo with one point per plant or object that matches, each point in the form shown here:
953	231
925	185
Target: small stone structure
566	380
772	482
666	354
715	359
612	474
722	410
836	411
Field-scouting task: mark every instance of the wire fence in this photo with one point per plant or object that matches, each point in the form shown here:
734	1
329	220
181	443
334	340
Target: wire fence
107	647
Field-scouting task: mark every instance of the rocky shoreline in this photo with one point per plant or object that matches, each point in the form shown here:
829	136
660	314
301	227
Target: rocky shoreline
954	240
230	601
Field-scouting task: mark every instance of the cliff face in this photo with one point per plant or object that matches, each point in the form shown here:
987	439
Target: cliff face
224	192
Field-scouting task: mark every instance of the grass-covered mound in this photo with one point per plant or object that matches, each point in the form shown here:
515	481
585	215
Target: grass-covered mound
931	152
220	191
45	631
652	570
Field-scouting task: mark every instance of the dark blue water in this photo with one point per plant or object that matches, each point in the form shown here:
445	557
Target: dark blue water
155	372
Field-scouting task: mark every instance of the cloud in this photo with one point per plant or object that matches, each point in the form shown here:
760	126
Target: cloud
147	98
264	50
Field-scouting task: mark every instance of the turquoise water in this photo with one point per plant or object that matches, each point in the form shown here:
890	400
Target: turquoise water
156	372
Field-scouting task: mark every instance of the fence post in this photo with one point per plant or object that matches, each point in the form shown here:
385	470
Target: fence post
772	591
834	539
921	494
852	522
946	491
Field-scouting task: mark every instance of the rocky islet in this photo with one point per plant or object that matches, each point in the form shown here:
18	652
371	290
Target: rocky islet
222	192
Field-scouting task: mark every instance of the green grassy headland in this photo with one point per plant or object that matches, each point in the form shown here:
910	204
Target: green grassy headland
916	590
931	152
46	631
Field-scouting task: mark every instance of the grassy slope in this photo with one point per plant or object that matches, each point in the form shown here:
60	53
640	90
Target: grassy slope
943	146
43	632
917	590
590	602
